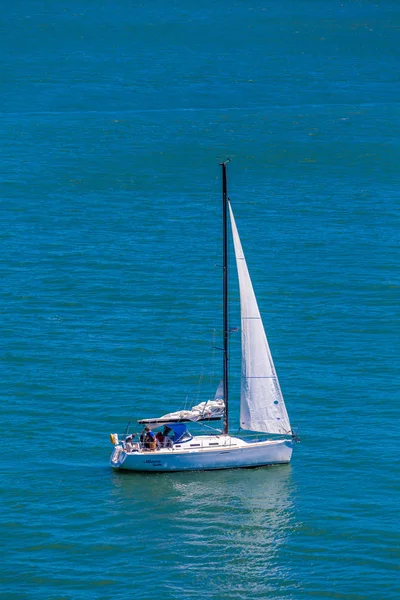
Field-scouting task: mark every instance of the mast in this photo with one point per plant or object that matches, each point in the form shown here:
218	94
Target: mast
225	289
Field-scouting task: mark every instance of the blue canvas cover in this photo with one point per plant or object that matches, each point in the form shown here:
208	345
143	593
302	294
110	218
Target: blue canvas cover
179	430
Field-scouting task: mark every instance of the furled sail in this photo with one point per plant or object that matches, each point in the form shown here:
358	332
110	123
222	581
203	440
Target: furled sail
262	407
205	411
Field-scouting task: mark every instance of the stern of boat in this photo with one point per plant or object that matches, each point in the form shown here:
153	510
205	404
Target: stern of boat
118	455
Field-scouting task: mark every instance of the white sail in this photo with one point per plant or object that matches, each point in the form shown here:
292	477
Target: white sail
262	407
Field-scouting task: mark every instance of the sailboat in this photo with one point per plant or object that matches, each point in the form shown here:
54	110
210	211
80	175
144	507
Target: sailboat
267	437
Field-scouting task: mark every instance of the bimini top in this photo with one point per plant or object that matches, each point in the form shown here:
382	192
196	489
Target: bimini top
179	431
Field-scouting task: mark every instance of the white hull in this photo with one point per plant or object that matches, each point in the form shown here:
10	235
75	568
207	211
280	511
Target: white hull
202	454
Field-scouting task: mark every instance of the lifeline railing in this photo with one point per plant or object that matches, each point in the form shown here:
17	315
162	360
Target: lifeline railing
193	443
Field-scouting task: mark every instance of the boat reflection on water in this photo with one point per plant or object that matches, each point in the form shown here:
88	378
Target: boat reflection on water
232	526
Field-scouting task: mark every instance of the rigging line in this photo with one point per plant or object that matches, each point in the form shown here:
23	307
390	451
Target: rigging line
213	355
215	374
199	384
211	373
210	427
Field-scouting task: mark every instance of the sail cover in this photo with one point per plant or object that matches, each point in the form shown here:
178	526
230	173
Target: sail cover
211	410
262	407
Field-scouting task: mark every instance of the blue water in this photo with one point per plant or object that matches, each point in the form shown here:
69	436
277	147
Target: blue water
114	118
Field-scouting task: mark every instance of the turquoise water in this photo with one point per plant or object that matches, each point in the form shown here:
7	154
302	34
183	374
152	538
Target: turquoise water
114	119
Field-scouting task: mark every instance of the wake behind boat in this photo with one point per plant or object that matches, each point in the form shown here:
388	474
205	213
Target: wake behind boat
262	408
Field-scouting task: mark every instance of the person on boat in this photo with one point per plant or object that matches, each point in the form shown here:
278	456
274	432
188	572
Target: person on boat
142	436
149	439
168	437
129	444
160	437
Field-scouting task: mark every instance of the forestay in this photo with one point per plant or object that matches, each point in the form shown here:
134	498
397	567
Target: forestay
262	407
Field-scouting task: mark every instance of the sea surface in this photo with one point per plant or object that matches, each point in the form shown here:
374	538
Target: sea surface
114	117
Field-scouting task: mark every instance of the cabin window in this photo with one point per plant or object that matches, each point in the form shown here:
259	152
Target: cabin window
193	445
